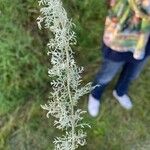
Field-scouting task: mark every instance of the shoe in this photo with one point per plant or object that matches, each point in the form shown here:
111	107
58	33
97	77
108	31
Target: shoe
93	106
124	100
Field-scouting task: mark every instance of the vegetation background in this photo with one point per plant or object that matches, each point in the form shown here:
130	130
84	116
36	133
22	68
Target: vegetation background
24	83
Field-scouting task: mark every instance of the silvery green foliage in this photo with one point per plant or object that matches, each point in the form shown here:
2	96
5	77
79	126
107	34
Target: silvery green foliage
65	74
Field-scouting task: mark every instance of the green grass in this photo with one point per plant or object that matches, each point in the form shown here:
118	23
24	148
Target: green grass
24	84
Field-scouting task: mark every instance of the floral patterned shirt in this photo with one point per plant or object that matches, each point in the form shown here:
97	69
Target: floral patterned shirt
127	26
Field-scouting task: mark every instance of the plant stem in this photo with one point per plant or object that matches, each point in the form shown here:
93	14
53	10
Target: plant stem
70	98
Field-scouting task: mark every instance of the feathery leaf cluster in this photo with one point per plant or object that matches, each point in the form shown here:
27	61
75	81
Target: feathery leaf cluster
65	74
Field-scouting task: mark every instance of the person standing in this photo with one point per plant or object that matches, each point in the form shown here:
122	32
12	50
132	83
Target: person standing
126	46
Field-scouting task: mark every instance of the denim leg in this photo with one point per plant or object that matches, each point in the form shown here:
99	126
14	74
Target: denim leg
130	72
105	74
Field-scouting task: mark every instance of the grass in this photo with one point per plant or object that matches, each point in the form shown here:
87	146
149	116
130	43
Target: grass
25	85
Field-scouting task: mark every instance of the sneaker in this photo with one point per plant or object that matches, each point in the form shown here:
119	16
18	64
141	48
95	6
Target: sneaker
93	106
124	100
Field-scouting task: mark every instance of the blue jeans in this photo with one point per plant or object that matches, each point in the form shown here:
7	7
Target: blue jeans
109	69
